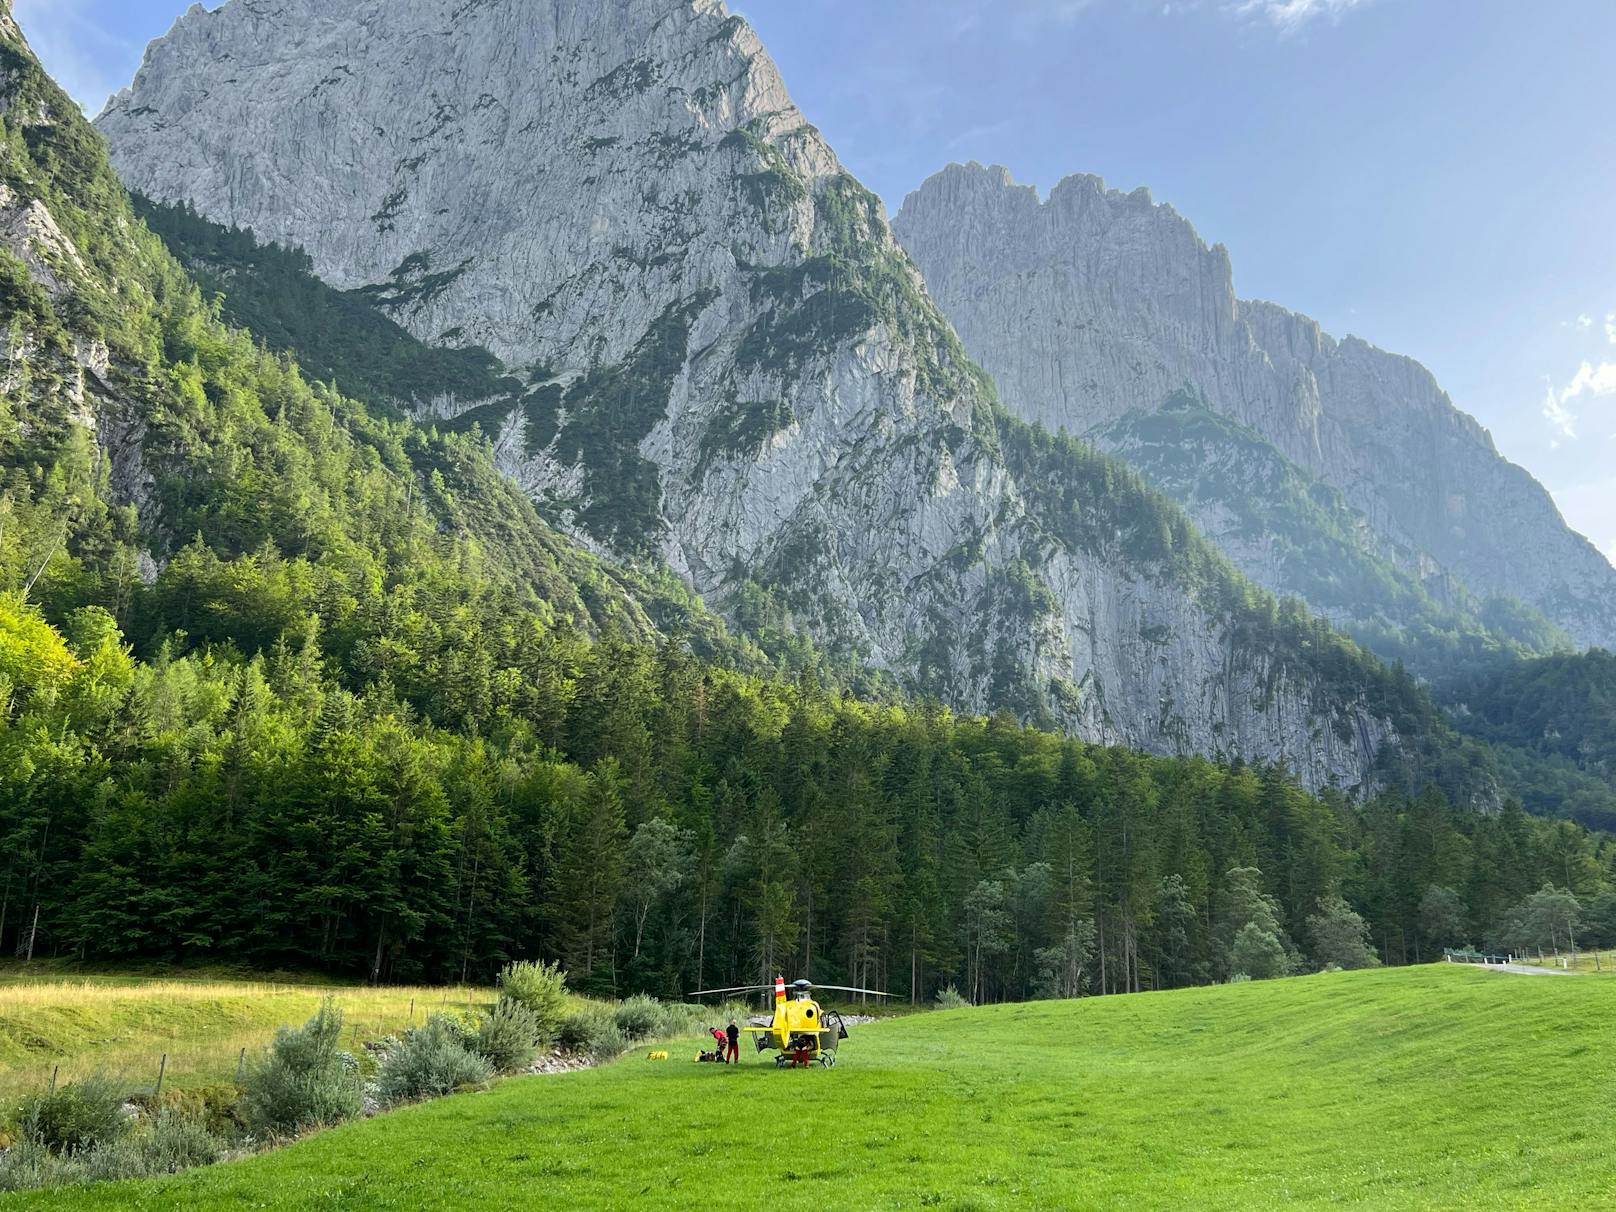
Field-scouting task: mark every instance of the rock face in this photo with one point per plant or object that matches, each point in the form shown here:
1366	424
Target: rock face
729	363
1095	307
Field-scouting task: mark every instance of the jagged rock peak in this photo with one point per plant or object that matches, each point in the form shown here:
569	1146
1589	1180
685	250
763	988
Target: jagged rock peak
732	366
416	146
1094	306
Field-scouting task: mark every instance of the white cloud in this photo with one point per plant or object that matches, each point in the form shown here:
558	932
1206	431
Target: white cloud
75	47
1585	321
1288	16
1559	416
1590	381
1610	328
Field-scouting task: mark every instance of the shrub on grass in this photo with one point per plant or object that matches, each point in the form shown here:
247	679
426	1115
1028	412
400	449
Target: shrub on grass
507	1037
644	1018
639	1018
433	1060
303	1081
173	1142
216	1108
949	998
542	989
679	1018
170	1143
77	1116
28	1166
593	1032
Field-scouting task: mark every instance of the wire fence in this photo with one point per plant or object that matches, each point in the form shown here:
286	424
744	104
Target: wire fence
1553	959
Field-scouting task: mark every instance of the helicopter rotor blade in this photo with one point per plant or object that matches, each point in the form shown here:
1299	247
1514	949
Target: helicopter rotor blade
849	989
736	989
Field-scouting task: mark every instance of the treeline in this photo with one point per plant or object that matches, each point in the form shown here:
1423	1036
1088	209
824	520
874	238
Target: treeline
1561	706
655	824
329	694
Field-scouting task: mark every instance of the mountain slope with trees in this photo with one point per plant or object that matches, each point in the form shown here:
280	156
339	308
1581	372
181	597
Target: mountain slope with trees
285	683
729	365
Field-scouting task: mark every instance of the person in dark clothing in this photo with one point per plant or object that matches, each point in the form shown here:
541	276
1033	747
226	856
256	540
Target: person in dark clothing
732	1055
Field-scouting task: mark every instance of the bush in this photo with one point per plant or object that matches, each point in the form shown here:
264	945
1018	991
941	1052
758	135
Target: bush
639	1017
216	1108
172	1143
542	989
949	998
28	1166
593	1032
642	1018
78	1116
507	1037
177	1142
304	1081
433	1060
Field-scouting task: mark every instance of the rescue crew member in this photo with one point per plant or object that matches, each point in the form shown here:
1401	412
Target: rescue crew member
732	1054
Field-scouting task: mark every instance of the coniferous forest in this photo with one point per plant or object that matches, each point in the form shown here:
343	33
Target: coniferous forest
287	683
512	789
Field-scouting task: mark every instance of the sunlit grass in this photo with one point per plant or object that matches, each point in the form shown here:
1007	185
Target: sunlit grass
1442	1087
124	1025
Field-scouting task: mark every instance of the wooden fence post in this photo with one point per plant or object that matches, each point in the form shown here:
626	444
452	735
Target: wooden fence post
162	1068
412	1011
241	1066
54	1071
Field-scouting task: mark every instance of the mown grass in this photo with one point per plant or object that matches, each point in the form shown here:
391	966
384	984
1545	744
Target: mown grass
1440	1087
122	1024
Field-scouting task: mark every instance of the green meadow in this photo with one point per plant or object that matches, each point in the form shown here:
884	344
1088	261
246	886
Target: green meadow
1436	1087
56	1018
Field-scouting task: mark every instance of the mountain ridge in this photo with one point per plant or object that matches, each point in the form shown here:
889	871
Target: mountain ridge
1091	304
738	370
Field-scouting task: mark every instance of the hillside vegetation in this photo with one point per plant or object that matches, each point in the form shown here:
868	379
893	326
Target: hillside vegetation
1431	1088
288	684
82	1024
336	336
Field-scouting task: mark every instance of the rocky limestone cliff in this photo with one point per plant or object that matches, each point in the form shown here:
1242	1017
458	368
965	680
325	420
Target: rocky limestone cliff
1095	305
54	378
729	363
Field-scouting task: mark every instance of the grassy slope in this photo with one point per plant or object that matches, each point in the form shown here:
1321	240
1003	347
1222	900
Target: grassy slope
1436	1087
121	1026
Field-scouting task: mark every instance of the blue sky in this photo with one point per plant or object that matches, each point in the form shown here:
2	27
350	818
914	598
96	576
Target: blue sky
1436	176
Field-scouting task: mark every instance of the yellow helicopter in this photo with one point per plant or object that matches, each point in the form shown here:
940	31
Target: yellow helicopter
800	1033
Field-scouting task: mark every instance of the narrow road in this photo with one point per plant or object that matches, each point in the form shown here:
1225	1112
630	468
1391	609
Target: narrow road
1528	970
